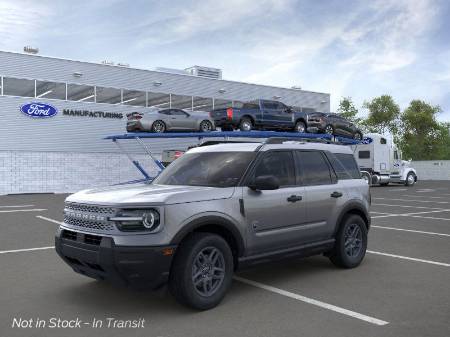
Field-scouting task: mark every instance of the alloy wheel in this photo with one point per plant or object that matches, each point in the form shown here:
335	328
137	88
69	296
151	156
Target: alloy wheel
353	240
158	127
208	271
329	130
205	126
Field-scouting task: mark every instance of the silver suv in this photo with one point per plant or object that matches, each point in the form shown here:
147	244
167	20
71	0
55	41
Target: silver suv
216	209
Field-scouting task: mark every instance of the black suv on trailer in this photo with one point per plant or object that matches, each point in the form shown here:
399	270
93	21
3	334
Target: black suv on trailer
333	124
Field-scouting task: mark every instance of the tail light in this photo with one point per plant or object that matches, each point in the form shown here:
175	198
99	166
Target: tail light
230	113
178	154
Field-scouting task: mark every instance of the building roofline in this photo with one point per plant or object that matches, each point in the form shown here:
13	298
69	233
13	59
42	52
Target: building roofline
162	72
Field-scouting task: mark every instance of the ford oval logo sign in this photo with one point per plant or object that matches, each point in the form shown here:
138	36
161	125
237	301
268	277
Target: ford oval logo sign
39	110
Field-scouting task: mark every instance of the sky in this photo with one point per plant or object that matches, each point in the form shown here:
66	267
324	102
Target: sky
358	49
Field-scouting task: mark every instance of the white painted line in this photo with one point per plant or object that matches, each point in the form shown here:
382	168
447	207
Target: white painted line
407	195
407	206
24	210
410	214
413	200
16	206
48	219
397	189
410	230
410	258
429	217
25	250
312	301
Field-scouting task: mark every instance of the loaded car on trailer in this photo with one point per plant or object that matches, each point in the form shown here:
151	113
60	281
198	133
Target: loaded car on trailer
216	209
260	115
333	124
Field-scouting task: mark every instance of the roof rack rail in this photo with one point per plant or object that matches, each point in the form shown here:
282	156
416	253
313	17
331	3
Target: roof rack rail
281	140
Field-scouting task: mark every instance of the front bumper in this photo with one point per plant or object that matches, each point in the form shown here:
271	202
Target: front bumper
134	126
98	257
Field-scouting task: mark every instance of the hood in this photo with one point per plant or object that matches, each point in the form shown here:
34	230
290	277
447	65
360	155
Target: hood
144	194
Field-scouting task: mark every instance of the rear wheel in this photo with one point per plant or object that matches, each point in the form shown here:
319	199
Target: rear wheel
410	179
329	129
202	271
351	242
358	136
245	124
206	126
159	127
300	127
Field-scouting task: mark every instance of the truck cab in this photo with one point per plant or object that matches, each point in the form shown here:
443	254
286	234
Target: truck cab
381	163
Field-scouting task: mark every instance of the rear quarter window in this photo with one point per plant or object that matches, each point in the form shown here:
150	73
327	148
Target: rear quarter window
345	166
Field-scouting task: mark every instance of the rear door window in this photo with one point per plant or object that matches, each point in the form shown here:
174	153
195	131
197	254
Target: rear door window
314	168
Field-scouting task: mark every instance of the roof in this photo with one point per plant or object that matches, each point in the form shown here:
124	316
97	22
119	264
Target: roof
291	145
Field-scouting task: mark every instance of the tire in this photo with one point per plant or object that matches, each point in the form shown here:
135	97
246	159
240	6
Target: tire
206	126
367	177
410	179
357	135
351	256
245	124
329	129
184	269
158	126
300	127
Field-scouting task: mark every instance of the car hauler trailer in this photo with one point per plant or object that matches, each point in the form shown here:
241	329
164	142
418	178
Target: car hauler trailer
380	161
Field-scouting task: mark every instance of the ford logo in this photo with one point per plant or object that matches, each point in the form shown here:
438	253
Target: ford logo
367	140
39	110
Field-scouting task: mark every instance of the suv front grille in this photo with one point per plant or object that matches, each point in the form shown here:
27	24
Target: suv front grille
97	225
89	208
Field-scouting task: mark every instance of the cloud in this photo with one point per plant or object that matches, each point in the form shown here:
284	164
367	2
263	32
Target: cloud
21	22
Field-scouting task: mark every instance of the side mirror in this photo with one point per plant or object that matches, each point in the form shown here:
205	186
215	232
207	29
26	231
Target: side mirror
262	183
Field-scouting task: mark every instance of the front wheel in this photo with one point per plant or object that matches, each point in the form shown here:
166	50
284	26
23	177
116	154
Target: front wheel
358	136
351	242
410	179
202	271
206	126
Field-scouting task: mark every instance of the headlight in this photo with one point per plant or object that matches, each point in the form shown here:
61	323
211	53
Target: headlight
137	220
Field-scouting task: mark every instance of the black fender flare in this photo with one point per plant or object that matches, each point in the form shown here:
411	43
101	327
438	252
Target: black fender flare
353	206
214	220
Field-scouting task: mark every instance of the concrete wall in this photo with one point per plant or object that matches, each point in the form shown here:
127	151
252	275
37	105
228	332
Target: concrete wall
432	169
59	172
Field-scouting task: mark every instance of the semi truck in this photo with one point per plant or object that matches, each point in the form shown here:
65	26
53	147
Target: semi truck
381	163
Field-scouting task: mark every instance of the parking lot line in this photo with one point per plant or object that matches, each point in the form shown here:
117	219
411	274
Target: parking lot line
407	206
48	219
410	230
429	217
407	195
23	210
413	200
16	206
321	304
25	250
410	214
409	258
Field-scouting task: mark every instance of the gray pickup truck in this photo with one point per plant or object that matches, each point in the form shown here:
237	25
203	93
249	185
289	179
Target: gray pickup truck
216	209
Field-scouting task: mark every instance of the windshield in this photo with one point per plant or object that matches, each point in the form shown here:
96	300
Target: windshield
215	169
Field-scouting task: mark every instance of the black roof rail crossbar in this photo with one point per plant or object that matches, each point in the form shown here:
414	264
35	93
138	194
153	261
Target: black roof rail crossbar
280	140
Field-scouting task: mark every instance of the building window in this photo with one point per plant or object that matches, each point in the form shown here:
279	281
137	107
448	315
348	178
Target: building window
182	102
222	103
108	95
202	104
158	100
80	93
133	97
50	90
18	87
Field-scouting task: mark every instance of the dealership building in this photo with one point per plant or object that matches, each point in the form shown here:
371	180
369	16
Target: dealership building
66	152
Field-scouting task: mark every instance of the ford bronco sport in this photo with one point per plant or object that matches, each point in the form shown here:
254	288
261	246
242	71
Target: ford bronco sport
216	209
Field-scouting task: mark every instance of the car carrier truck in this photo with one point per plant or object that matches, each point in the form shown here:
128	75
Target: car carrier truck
380	161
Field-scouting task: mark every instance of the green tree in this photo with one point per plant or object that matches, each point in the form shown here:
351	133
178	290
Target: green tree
422	136
348	110
384	115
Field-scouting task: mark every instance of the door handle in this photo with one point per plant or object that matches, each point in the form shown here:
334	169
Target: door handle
336	194
294	198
